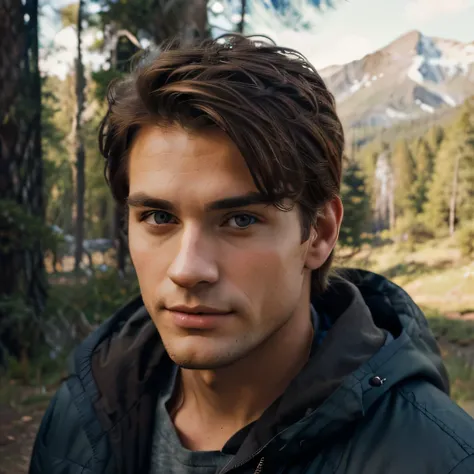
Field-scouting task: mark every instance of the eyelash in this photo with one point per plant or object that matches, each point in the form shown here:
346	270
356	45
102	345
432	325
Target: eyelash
257	220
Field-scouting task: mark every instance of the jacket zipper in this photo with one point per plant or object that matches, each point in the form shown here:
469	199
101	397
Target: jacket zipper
259	469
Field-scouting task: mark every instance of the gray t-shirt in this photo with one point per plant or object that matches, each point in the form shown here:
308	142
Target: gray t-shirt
168	454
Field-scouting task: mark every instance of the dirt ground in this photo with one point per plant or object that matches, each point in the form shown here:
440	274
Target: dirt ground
17	434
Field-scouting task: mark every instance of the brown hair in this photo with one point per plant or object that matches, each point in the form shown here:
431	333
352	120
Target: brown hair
268	99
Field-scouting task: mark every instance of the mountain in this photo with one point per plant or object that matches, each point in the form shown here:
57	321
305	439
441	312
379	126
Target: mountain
415	75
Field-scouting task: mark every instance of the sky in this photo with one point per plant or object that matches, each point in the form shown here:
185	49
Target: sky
359	27
355	28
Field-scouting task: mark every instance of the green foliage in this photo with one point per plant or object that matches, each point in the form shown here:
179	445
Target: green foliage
71	298
461	377
424	160
412	229
96	297
368	164
15	306
434	137
458	143
102	79
453	330
437	206
464	130
57	119
19	230
99	205
465	237
131	15
356	207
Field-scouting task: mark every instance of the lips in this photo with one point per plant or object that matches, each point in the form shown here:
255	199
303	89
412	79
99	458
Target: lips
200	310
198	317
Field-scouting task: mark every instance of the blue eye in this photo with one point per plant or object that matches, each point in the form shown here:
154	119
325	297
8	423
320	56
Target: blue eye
242	221
160	217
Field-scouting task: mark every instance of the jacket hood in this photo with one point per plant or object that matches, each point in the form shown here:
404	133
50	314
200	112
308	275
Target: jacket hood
123	363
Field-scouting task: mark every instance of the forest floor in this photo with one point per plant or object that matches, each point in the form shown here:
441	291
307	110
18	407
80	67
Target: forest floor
434	275
19	423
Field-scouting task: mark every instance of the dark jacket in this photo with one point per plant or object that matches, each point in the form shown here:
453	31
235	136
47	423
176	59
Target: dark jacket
359	405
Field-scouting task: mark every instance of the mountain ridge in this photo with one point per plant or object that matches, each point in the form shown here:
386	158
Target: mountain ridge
412	76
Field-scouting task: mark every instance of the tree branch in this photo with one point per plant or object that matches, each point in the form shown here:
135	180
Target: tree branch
130	36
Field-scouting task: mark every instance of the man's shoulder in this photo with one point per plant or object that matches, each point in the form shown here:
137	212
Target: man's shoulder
431	407
69	437
416	428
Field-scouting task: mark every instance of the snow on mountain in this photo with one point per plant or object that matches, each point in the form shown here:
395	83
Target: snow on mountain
412	76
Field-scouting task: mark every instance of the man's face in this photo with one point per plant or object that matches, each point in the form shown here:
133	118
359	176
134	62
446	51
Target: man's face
201	244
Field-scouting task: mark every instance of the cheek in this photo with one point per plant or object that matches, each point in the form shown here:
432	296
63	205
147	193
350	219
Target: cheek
137	246
270	273
146	258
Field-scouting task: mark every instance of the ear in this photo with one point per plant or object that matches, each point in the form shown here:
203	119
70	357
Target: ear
324	234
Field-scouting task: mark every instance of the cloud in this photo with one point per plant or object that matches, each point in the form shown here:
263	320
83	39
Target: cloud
426	10
341	50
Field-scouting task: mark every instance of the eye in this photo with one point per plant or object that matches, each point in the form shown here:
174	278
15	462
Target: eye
159	218
242	221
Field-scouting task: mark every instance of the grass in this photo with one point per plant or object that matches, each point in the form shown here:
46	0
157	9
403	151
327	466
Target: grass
456	332
453	330
434	274
461	375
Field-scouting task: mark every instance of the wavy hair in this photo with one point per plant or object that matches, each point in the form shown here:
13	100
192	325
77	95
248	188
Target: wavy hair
268	99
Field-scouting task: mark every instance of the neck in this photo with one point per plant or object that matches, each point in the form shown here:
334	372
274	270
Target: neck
227	399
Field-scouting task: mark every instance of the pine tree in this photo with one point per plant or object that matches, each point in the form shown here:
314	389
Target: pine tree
368	165
463	197
424	161
451	193
404	175
356	207
434	137
437	205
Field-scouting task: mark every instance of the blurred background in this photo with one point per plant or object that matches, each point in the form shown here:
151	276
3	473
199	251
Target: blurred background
402	72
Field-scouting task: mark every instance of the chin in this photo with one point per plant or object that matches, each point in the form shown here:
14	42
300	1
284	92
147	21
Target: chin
195	358
202	363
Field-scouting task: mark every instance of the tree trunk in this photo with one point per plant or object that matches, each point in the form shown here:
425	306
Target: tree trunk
186	18
21	169
195	24
79	144
454	194
243	9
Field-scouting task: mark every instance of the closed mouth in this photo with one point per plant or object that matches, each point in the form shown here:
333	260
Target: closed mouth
199	311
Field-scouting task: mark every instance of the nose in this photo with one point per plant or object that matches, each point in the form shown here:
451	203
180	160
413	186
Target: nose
195	261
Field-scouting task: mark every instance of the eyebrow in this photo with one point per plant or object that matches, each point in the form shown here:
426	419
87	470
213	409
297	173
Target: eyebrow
231	202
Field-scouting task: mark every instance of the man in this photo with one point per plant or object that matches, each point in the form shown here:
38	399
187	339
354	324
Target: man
243	353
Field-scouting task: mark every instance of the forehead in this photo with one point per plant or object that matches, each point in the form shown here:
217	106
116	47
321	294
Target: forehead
201	165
